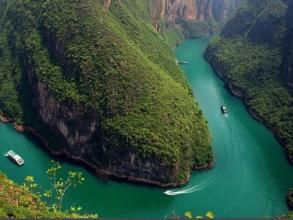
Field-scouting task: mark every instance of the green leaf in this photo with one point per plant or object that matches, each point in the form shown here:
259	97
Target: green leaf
210	215
188	214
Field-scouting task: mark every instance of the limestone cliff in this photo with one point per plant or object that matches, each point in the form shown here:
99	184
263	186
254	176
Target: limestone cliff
196	17
219	10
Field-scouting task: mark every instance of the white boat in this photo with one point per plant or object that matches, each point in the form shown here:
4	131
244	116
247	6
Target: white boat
224	109
15	157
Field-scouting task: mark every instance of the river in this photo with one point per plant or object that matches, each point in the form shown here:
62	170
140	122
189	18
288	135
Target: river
250	179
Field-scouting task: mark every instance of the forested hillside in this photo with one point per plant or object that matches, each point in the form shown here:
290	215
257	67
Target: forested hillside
253	54
101	86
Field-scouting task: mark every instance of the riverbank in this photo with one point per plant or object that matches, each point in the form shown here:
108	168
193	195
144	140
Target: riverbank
237	92
101	173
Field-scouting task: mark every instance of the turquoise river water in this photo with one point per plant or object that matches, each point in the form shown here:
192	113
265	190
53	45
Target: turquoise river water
250	179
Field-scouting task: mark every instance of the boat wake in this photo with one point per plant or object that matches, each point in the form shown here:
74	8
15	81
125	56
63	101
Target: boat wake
186	190
5	154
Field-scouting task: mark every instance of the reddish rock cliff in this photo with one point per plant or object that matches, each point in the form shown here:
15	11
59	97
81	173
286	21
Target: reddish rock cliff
210	12
202	10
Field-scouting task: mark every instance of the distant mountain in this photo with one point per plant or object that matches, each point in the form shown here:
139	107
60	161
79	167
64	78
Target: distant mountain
192	18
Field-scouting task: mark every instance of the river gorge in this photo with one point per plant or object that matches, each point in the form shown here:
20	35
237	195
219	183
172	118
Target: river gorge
250	178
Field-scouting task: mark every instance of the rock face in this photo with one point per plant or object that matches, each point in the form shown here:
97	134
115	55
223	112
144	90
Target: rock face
210	11
202	10
84	141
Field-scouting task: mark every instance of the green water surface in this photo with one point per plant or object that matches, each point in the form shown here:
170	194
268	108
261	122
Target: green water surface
250	179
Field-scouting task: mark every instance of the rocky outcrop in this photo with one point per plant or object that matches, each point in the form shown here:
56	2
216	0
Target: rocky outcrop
202	10
212	11
79	131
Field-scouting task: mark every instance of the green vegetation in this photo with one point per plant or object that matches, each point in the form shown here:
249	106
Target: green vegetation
111	63
59	186
250	58
170	32
19	201
287	217
197	28
189	215
255	70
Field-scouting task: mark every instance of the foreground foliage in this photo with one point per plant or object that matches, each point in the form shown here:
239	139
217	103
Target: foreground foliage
26	201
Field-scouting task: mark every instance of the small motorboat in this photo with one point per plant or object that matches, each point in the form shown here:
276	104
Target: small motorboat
15	157
224	109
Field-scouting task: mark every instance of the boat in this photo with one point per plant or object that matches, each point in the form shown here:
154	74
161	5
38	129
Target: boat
224	109
15	157
183	62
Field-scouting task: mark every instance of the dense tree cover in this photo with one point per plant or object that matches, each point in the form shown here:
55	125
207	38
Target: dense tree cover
110	62
253	55
255	70
250	57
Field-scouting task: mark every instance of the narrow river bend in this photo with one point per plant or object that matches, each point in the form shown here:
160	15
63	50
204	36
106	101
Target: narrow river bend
250	179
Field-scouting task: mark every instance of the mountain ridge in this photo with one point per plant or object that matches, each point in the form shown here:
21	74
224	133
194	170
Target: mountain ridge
101	90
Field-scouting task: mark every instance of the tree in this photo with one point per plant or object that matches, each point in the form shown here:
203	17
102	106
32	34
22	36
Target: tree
59	187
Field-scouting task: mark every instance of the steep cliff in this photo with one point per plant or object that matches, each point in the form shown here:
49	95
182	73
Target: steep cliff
194	18
99	84
254	55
